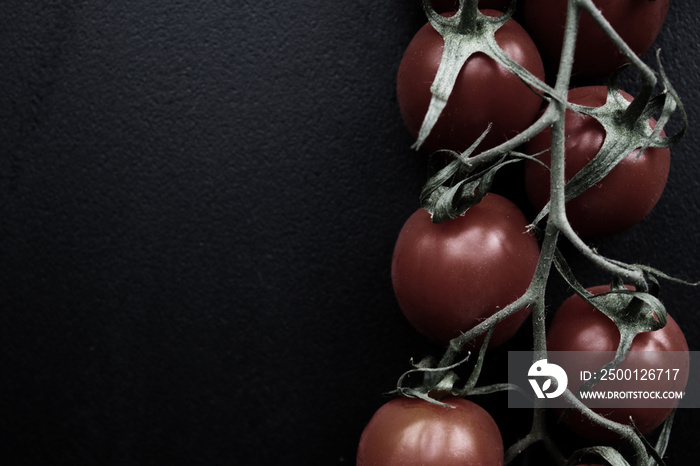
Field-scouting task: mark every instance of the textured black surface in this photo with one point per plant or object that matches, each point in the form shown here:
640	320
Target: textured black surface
198	204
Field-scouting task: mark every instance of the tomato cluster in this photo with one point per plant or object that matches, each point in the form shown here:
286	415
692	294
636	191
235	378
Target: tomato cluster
452	278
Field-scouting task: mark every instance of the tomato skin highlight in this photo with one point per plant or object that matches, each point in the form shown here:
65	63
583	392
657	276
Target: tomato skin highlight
578	326
485	92
448	277
620	200
410	431
638	22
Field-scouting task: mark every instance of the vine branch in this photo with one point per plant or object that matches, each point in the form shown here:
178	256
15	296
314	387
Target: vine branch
479	165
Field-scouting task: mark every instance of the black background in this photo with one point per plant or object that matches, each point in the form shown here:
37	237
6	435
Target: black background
198	205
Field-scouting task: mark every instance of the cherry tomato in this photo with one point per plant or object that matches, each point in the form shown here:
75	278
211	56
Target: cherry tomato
443	6
578	326
485	92
620	200
448	277
410	431
638	22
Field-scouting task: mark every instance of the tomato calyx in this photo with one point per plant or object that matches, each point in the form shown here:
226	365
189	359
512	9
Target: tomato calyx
438	380
453	187
627	128
632	311
467	32
435	382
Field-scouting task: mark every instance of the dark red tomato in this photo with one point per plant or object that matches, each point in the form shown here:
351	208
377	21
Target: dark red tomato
448	277
620	200
485	92
638	22
410	431
443	6
578	326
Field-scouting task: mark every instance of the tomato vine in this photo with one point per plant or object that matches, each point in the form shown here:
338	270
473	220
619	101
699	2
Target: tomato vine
462	179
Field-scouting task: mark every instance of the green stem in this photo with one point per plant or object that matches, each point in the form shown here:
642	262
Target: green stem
469	12
538	287
632	276
557	216
558	180
555	113
495	153
649	79
537	434
456	346
624	431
